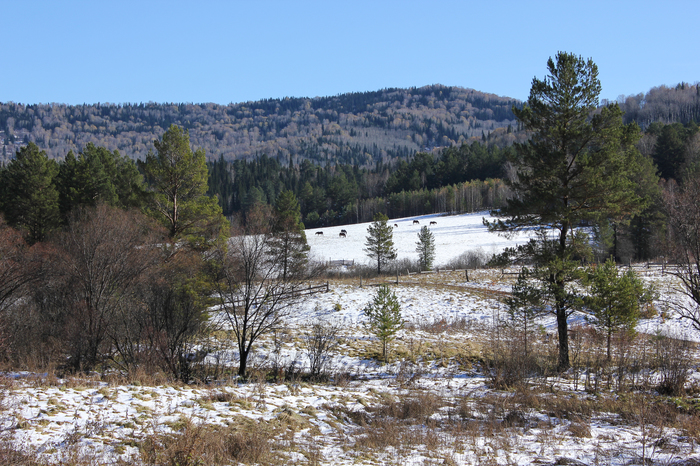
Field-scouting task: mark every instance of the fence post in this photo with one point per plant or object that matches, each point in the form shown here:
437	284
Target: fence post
466	274
327	288
397	275
360	281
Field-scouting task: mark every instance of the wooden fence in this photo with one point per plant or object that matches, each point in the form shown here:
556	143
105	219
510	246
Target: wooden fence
295	293
338	263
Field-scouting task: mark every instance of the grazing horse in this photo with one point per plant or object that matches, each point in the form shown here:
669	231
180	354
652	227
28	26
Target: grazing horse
433	223
416	222
396	225
342	235
319	233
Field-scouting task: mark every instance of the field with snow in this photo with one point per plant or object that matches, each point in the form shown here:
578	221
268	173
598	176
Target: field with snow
454	235
433	403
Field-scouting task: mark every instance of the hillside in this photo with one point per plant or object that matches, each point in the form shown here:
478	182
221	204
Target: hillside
361	128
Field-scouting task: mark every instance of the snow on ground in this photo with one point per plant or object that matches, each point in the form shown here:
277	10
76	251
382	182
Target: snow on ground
454	235
53	416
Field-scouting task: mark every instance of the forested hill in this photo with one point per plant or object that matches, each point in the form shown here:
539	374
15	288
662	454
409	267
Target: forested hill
663	104
356	128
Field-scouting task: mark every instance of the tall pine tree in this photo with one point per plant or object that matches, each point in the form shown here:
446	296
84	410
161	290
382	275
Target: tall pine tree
178	177
577	166
29	198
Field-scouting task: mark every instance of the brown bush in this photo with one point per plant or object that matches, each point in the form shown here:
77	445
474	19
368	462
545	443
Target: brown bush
197	444
418	406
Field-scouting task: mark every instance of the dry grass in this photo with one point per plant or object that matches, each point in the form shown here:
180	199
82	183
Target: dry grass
198	444
406	420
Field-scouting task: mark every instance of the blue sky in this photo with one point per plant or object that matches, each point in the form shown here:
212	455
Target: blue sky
122	51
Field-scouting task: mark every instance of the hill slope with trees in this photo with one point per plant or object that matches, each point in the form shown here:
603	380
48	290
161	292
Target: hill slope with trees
357	128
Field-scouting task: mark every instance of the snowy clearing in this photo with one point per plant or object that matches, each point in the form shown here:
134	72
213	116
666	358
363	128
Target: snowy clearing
431	404
454	235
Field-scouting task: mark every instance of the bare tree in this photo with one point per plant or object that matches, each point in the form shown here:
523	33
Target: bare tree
100	259
683	207
254	296
13	273
19	268
175	297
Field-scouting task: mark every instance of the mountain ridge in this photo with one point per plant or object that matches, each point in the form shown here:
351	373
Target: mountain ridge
358	128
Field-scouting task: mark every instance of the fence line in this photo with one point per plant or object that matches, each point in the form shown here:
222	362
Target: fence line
340	262
296	293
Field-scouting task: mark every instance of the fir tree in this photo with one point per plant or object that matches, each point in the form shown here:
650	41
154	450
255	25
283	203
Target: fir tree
288	244
615	299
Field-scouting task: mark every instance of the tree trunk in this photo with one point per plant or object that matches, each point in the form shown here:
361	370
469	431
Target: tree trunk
562	325
243	364
563	332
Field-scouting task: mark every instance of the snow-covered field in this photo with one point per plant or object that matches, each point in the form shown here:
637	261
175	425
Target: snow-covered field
430	405
454	235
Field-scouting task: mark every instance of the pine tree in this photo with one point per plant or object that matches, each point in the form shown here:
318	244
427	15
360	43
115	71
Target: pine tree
384	317
28	193
425	247
576	167
99	176
615	299
178	177
379	244
288	244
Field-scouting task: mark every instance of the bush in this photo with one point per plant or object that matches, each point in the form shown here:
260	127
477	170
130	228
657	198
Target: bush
673	358
473	259
509	362
319	342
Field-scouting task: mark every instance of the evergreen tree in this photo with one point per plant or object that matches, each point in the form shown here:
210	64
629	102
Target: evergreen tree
576	167
29	198
669	151
98	175
178	177
288	245
615	299
525	304
425	247
379	244
384	317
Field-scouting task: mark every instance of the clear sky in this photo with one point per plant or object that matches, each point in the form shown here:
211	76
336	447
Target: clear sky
123	51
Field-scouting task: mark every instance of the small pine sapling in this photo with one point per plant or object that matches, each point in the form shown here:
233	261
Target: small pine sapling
425	247
615	299
384	317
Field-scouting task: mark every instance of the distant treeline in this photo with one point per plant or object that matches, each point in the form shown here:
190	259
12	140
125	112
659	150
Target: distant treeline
358	128
679	104
455	180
